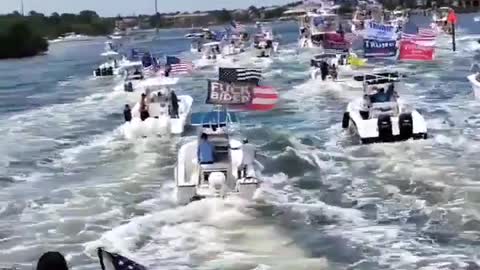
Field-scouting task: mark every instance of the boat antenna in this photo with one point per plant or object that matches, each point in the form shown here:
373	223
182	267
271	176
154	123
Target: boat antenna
21	8
156	15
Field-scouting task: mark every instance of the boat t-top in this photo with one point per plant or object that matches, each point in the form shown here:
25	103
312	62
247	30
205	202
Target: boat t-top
227	174
381	115
211	50
198	36
160	111
133	75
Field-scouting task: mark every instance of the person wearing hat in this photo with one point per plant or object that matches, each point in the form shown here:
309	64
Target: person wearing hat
248	158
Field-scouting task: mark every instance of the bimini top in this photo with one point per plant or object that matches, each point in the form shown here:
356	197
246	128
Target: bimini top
220	118
110	53
160	81
325	56
210	44
379	78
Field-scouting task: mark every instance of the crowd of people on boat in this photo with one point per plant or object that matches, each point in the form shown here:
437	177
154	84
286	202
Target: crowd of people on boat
146	107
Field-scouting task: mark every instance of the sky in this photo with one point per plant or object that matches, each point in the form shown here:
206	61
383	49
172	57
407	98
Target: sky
129	7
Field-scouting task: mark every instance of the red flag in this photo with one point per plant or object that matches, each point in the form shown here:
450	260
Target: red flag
411	51
452	17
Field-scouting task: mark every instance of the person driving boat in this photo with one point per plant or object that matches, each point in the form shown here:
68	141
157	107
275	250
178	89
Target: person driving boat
205	151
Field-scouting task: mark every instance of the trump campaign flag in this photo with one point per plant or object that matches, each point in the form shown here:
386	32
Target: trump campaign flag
379	48
412	51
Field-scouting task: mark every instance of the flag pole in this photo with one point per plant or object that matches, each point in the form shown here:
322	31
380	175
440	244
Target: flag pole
454	47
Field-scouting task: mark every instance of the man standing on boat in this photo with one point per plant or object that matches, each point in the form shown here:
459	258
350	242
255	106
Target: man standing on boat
127	113
174	100
205	151
248	151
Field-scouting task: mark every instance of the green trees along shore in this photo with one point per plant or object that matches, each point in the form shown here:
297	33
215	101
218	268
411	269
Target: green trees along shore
25	36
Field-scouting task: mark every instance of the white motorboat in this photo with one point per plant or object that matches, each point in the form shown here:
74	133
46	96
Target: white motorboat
134	75
440	17
400	18
474	80
110	66
336	61
264	43
314	27
115	64
222	177
161	118
198	36
211	55
380	115
71	37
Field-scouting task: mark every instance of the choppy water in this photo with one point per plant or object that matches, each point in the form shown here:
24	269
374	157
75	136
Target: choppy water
70	182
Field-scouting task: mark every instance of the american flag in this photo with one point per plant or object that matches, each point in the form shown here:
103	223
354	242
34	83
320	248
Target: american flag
178	66
239	75
427	32
264	99
424	37
110	261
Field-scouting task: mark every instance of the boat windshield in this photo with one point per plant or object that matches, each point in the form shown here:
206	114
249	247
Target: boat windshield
213	118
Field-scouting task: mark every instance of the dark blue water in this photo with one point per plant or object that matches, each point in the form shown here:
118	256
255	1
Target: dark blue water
70	182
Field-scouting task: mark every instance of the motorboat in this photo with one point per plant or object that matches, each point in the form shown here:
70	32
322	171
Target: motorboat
162	118
439	18
198	36
400	18
264	43
71	37
474	80
381	115
115	63
337	63
364	14
117	34
224	176
211	55
110	67
133	76
315	26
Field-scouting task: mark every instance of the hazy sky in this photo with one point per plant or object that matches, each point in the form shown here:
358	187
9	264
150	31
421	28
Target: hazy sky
129	7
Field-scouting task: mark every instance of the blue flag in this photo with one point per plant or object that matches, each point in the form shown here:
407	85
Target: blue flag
171	60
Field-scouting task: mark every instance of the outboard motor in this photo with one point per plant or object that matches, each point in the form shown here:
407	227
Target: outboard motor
103	72
384	125
110	71
98	72
217	183
405	125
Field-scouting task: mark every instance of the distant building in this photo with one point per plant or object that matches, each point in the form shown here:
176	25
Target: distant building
194	19
127	22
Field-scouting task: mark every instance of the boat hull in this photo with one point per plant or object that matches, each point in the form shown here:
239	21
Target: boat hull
407	124
160	125
475	85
